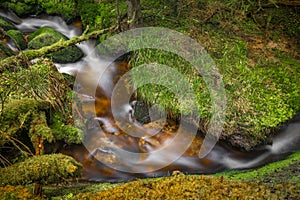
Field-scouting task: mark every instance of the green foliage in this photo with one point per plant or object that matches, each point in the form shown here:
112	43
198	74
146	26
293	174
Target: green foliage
262	88
47	36
99	15
66	8
17	38
44	169
158	94
22	7
67	133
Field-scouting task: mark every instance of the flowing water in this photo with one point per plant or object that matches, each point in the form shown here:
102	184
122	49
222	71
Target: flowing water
103	134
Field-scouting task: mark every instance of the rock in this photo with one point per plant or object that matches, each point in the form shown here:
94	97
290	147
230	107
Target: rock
5	25
5	51
17	37
47	36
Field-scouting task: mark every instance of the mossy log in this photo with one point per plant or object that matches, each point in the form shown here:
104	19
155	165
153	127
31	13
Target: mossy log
44	169
10	63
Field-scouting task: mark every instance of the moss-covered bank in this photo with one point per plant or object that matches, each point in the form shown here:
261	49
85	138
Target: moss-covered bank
278	180
255	48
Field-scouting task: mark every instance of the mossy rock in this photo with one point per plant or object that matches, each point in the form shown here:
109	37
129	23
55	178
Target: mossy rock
45	169
47	36
17	38
6	25
66	8
5	51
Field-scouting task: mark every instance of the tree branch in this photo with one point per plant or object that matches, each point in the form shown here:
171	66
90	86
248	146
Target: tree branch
11	63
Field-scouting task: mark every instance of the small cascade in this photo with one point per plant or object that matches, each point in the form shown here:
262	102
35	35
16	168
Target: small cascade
111	149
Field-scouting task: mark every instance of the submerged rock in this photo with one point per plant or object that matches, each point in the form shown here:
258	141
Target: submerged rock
47	36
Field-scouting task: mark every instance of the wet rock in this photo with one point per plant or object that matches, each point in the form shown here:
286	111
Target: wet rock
17	38
5	51
5	25
47	36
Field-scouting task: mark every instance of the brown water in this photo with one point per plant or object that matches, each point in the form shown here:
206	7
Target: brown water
106	159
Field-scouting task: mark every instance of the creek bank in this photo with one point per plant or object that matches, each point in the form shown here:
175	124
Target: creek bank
258	68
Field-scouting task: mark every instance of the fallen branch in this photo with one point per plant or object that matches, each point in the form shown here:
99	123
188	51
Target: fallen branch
11	63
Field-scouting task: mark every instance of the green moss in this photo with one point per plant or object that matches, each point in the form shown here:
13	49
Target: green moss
285	171
261	85
52	168
15	192
99	15
5	51
20	116
180	186
47	36
6	25
43	30
22	7
17	38
66	8
68	133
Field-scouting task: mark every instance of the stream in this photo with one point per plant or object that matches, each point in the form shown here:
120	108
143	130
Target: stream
103	153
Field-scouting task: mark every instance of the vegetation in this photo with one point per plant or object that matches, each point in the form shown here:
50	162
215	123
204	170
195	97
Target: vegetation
47	36
258	70
285	171
45	169
17	37
180	186
6	25
255	45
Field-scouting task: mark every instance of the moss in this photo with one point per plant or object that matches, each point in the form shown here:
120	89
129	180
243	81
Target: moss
18	116
47	36
180	186
6	25
261	85
52	168
99	15
5	51
66	8
22	7
17	38
68	133
15	192
284	172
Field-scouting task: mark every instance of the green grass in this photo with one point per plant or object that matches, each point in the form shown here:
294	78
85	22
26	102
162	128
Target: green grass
261	82
280	170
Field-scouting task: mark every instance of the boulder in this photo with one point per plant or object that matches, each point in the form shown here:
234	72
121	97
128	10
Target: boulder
47	36
6	25
5	51
17	37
